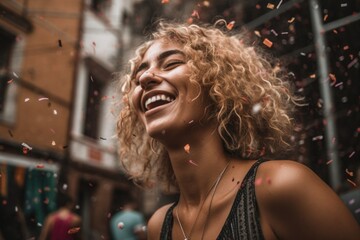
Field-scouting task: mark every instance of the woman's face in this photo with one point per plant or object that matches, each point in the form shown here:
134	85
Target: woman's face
164	98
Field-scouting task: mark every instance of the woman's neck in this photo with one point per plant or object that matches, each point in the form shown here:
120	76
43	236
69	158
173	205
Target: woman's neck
197	166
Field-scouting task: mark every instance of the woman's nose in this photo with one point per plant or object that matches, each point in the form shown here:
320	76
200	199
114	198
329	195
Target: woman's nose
149	79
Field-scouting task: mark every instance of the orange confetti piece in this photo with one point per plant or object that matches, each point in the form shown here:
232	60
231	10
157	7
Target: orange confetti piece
230	25
350	173
326	17
73	230
164	1
291	20
267	43
187	148
10	81
270	6
313	76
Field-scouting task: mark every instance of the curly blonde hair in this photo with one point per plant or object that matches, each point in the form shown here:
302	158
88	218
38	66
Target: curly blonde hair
251	101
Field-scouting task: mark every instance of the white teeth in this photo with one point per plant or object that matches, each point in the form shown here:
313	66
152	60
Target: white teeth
157	98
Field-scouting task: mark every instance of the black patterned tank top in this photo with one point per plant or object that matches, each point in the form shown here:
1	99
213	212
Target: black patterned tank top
243	221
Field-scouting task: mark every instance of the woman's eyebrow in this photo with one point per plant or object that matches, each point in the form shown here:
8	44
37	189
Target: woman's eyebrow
161	57
165	54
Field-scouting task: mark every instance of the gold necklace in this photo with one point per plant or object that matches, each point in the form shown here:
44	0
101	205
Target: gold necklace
214	186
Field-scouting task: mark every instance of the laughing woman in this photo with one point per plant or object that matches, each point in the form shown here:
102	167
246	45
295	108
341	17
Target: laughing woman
207	115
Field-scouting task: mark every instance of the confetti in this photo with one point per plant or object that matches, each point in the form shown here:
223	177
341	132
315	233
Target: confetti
277	7
10	81
343	5
291	20
351	154
187	148
27	99
55	112
40	165
270	6
328	162
256	108
120	225
193	163
206	3
195	14
354	184
73	230
350	173
326	17
26	145
230	25
53	143
267	43
320	137
43	98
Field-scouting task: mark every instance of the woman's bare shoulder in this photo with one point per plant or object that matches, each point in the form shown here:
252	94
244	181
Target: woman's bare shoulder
296	202
156	221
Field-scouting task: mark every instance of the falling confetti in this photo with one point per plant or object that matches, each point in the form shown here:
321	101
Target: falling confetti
55	112
53	143
256	108
40	165
193	163
187	148
267	43
230	25
73	230
354	184
43	99
120	225
270	6
26	145
277	7
291	20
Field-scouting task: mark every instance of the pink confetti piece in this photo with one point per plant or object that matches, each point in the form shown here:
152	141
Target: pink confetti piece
328	162
193	163
351	154
164	1
73	230
277	7
40	165
195	14
10	81
354	184
27	99
120	225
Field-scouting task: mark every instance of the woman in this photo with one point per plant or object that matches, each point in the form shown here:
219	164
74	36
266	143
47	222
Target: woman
201	108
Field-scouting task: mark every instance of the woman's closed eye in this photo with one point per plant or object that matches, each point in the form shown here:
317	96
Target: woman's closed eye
172	64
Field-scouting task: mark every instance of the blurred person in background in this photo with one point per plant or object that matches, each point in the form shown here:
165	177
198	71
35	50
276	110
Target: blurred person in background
12	221
62	224
207	114
129	223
